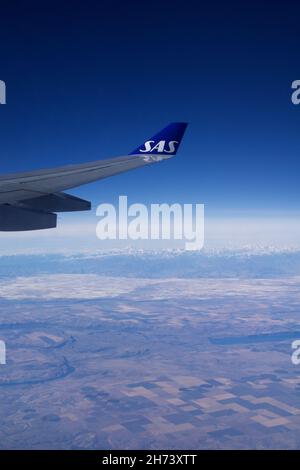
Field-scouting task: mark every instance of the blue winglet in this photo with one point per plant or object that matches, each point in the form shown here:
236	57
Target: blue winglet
165	142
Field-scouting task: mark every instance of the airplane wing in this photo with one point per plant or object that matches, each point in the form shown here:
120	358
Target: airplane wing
29	201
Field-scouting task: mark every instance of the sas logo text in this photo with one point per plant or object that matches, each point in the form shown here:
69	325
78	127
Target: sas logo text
160	147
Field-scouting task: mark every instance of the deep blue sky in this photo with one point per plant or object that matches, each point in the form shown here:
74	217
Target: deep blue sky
88	80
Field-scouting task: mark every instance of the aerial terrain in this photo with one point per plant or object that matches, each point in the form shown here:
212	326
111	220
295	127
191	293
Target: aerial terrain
177	351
